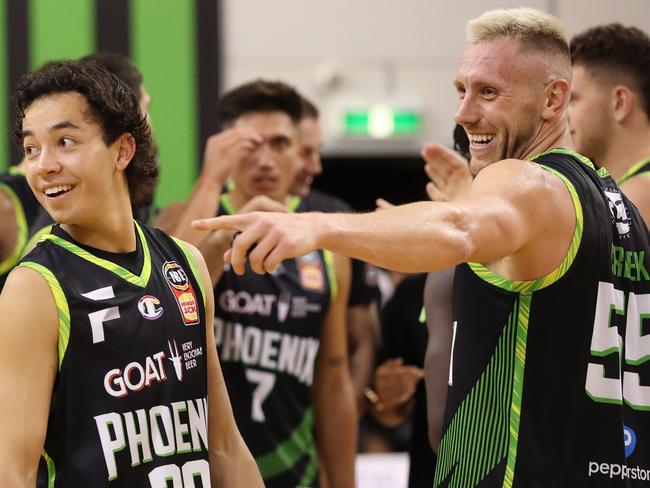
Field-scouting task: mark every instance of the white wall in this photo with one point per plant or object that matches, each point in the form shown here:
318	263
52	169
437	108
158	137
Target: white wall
369	50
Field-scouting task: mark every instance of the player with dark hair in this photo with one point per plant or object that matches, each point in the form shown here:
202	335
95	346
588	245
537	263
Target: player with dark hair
108	367
609	113
291	392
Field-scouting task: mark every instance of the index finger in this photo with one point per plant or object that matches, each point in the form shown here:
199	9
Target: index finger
225	222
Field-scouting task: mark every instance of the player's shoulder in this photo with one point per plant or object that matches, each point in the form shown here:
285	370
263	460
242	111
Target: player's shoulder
319	201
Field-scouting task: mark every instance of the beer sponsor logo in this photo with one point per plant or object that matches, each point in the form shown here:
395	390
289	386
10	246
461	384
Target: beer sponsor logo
183	292
311	273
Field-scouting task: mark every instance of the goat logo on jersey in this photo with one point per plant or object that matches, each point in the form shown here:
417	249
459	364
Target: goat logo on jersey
149	307
176	360
618	211
183	292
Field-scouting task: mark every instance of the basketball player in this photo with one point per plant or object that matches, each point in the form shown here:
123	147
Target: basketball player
107	362
281	337
609	113
549	360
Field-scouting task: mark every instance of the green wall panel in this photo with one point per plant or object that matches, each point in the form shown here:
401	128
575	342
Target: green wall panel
60	29
163	47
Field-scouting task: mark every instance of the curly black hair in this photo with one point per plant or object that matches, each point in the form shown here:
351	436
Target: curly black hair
260	96
120	66
616	51
112	104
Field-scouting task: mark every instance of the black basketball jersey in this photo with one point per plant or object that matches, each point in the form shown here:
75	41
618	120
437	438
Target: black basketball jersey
640	168
550	377
268	329
129	406
26	209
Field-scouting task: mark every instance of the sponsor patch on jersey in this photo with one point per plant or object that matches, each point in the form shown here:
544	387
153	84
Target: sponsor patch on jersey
311	273
183	292
629	438
150	307
618	211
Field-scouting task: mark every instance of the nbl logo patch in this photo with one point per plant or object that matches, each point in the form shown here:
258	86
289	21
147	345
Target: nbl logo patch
183	292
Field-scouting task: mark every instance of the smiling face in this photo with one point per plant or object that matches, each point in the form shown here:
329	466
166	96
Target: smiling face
73	173
271	167
501	95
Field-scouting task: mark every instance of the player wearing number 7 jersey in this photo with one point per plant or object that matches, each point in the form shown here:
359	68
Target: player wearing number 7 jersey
108	369
551	356
281	337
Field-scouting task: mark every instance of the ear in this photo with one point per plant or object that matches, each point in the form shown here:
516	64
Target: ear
623	101
556	98
125	146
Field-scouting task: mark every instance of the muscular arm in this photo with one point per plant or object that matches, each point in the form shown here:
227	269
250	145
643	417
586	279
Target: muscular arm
335	413
231	463
500	217
363	339
637	189
28	366
438	307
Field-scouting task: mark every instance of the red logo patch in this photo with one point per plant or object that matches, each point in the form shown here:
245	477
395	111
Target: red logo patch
183	292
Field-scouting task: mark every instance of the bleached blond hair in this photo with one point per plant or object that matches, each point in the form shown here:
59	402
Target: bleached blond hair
531	27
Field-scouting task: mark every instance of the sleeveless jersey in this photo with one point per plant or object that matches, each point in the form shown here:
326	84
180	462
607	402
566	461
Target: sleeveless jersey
129	406
268	329
550	378
640	168
26	209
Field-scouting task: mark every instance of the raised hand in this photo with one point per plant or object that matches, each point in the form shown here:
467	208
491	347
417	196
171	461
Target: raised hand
223	150
448	171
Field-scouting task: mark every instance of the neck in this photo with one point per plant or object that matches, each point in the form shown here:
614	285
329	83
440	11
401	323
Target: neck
239	198
628	148
113	232
551	135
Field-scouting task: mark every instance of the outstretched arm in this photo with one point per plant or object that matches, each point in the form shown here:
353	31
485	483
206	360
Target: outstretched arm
28	366
231	463
500	216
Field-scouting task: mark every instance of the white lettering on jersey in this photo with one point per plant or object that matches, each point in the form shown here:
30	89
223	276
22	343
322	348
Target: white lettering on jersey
175	429
273	350
135	376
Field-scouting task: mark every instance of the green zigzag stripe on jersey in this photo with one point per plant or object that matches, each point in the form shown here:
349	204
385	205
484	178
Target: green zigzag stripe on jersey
35	239
51	469
290	451
634	171
331	273
125	274
484	429
61	305
230	209
533	285
21	238
583	159
193	265
523	317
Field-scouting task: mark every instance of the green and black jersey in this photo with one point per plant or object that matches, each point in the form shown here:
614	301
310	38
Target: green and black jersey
129	406
550	379
640	168
268	331
26	209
